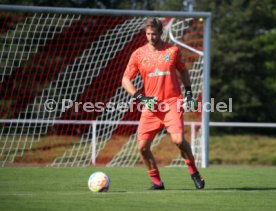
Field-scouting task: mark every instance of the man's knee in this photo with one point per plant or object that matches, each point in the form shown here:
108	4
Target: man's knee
143	151
177	139
144	148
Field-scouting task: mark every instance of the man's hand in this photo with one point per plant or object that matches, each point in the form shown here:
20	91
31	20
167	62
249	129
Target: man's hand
188	94
189	100
149	102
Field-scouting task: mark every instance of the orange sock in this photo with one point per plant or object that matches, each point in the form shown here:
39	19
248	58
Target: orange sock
155	176
191	166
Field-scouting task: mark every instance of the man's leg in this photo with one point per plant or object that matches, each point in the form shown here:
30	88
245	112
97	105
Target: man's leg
185	150
149	161
186	153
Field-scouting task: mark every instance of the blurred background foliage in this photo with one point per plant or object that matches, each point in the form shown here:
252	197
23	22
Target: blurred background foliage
243	46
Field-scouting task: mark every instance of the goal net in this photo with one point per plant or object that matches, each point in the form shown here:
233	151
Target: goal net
62	103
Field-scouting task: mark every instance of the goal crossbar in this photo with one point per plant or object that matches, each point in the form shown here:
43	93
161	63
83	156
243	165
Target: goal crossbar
88	11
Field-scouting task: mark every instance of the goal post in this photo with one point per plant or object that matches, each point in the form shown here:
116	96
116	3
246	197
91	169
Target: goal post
62	103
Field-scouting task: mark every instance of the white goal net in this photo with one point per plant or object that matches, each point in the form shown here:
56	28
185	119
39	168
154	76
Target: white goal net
52	63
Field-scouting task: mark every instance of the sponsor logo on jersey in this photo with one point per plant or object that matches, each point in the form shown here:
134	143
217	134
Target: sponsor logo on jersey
157	72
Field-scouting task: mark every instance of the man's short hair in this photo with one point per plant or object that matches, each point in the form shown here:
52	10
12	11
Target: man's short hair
154	23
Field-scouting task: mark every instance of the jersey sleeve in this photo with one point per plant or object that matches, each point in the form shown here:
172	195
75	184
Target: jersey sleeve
180	61
132	67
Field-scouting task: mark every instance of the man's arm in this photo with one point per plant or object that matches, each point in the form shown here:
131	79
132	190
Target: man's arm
185	77
128	86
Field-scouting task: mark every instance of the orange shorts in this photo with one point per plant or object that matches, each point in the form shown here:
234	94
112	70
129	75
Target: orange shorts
152	122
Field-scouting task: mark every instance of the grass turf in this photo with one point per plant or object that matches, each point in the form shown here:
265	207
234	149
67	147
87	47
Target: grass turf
227	188
242	150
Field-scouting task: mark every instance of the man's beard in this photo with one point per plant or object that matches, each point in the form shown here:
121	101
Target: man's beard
154	43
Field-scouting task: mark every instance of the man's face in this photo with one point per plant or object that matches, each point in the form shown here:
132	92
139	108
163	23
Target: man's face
153	36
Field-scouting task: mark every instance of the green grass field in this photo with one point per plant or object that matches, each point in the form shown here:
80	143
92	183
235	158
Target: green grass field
227	188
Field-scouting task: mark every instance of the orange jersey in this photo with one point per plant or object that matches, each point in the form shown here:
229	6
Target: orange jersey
158	70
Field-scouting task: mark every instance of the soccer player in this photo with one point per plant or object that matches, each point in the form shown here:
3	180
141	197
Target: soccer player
158	63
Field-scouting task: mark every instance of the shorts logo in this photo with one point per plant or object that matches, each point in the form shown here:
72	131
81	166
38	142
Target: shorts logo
167	57
157	72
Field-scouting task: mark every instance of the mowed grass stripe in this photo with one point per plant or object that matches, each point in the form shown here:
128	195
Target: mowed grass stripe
227	188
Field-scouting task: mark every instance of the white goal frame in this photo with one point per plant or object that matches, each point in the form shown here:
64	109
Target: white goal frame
206	16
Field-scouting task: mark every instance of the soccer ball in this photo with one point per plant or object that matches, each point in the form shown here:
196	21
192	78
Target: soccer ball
98	182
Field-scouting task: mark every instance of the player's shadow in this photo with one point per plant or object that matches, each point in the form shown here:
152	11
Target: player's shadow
228	189
118	191
245	189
